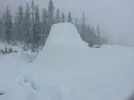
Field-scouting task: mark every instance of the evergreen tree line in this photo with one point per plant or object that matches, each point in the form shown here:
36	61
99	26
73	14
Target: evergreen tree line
31	28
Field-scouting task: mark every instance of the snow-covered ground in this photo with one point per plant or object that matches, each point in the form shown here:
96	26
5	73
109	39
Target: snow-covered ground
67	69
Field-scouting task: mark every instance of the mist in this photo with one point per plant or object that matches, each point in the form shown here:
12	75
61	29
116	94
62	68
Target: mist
116	17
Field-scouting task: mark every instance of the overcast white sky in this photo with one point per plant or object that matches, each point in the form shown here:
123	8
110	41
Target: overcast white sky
116	17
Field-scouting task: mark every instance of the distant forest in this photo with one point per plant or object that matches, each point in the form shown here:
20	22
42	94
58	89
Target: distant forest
31	27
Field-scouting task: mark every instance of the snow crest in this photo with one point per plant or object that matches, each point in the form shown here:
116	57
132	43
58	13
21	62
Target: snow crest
64	34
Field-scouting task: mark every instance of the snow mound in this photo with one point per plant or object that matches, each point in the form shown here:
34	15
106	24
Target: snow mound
63	39
64	34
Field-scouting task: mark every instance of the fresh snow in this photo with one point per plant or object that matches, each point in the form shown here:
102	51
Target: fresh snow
81	73
9	68
67	69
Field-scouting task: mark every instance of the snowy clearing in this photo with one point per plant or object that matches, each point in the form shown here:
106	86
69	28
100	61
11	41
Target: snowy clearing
67	69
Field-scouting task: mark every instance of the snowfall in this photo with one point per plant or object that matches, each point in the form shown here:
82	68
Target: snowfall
67	69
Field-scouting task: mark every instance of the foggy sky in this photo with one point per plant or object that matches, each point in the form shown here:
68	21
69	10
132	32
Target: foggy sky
116	17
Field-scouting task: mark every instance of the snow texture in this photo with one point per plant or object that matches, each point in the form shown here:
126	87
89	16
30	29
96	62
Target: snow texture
67	69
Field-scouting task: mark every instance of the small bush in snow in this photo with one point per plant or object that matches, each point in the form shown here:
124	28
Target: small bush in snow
15	51
10	50
2	51
2	93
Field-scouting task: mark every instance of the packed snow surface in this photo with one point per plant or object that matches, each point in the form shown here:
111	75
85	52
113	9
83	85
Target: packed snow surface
72	71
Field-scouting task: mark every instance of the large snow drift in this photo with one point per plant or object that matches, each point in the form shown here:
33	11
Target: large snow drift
77	72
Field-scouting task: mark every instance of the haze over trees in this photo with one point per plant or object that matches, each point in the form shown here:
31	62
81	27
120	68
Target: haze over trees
31	27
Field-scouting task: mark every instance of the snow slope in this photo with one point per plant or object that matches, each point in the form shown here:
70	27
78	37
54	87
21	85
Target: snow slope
12	78
9	65
72	71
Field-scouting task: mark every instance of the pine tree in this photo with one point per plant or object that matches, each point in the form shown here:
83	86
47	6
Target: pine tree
62	17
8	26
69	17
50	13
27	26
93	35
15	28
44	26
83	27
1	29
37	28
57	19
76	24
98	30
33	25
90	35
98	34
20	23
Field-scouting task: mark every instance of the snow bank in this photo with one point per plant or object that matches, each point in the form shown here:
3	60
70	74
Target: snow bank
72	71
